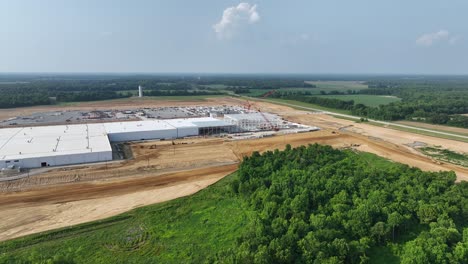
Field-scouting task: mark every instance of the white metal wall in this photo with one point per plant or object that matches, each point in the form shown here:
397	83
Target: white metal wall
187	131
66	159
143	135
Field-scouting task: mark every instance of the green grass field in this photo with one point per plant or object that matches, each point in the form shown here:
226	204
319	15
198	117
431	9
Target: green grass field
185	230
368	100
339	85
216	86
318	107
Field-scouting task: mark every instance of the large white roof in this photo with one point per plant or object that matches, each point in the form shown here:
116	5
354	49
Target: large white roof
195	122
42	141
135	126
29	142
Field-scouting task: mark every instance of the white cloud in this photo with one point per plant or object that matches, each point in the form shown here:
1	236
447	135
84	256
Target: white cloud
235	17
429	39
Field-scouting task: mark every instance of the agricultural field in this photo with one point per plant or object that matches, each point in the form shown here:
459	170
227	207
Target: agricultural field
339	85
260	92
216	86
367	100
325	86
304	104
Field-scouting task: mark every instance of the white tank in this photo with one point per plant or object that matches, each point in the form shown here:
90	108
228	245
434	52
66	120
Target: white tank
140	91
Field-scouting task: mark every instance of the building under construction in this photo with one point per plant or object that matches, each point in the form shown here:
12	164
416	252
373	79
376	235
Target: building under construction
255	121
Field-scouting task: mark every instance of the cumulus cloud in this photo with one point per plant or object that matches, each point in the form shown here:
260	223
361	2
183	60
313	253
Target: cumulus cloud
430	39
235	17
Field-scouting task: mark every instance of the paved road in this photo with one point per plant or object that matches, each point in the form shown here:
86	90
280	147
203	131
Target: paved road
357	118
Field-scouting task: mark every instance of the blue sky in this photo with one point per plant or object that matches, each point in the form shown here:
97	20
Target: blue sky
262	36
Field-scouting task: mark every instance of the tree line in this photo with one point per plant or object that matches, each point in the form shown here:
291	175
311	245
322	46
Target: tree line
425	104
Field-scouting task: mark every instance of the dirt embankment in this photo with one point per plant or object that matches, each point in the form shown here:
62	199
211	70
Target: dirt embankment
49	208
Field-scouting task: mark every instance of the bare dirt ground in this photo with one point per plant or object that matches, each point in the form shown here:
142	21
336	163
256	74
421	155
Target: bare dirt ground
161	171
389	135
118	104
48	208
458	130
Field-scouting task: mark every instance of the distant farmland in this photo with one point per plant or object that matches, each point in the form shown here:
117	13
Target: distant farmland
365	99
338	85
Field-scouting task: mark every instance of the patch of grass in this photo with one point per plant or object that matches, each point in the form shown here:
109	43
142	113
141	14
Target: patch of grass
183	230
256	92
339	85
216	86
446	155
376	161
260	92
293	103
368	100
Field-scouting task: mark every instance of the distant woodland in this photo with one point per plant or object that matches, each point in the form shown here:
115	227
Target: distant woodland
435	100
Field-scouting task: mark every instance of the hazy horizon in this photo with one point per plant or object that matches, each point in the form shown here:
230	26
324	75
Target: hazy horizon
234	37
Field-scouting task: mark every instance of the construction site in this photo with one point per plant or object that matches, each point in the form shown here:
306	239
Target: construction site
67	144
161	169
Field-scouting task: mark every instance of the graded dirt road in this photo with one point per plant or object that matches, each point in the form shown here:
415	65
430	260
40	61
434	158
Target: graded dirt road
162	171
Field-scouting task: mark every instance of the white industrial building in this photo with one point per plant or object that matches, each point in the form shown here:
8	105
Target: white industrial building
32	147
139	130
42	146
255	121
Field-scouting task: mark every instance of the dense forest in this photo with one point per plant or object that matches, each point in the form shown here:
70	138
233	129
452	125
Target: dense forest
311	204
436	99
316	204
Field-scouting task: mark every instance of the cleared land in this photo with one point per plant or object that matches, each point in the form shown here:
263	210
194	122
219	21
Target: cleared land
161	171
117	104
